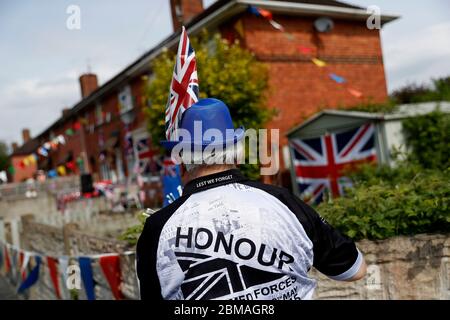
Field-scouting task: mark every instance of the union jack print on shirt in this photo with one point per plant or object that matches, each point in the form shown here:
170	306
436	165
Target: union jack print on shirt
184	86
320	162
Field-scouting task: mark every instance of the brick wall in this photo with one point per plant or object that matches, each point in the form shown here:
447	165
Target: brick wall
113	127
22	174
298	88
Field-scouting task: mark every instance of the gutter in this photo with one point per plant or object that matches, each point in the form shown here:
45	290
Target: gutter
316	10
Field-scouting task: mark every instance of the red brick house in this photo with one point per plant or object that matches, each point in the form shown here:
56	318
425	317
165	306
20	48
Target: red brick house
21	171
298	88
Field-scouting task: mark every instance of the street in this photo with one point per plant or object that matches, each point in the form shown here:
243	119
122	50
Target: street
6	292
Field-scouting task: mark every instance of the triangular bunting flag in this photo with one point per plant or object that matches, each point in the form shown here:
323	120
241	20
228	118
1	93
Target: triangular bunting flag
63	263
2	260
319	62
239	28
111	268
87	276
32	277
337	78
355	93
276	25
53	269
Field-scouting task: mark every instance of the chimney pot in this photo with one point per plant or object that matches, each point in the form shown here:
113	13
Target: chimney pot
184	11
88	84
65	112
26	135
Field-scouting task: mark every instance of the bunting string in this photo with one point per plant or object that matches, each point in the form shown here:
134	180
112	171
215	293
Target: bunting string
27	264
44	151
305	50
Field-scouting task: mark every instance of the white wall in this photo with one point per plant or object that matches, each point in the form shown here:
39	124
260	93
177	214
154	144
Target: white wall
394	136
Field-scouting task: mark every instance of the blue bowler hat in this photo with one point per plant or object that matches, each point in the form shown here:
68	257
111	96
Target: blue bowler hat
212	114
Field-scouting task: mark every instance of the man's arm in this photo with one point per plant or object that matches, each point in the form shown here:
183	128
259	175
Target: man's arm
335	254
149	286
361	272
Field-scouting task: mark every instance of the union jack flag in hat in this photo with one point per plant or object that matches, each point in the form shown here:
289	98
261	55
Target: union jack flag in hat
184	86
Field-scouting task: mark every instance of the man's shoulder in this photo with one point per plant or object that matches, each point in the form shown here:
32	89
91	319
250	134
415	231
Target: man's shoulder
163	214
287	197
274	190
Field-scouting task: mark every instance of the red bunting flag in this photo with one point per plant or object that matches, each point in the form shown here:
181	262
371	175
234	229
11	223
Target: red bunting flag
111	268
265	13
77	126
53	269
355	93
305	50
70	165
21	256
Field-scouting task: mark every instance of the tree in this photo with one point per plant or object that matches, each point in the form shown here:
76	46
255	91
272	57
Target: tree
411	93
4	156
439	90
428	137
226	72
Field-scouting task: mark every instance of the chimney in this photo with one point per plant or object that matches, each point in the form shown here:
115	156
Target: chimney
88	84
26	135
14	146
184	11
65	112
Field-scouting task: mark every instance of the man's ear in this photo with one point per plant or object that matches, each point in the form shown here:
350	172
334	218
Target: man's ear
184	174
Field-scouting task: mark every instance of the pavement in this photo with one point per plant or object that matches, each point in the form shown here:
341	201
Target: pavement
6	291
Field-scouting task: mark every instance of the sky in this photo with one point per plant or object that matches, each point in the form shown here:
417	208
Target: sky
42	58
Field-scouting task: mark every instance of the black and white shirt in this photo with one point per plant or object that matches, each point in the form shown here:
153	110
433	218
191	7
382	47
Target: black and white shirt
231	238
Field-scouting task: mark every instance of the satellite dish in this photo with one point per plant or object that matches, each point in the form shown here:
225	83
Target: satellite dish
324	24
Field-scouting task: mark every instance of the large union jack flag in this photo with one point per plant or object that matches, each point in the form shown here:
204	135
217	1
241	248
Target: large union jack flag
320	162
184	86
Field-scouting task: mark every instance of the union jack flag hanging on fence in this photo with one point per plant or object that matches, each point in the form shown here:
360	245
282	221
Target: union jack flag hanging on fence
184	86
319	162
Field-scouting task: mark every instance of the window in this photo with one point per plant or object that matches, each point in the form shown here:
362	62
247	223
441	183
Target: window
98	114
125	100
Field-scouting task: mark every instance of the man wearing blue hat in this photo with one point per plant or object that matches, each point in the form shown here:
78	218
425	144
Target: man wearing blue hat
228	237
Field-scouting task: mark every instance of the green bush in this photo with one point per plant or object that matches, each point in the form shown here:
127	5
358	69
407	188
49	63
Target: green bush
428	137
387	202
131	235
412	93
